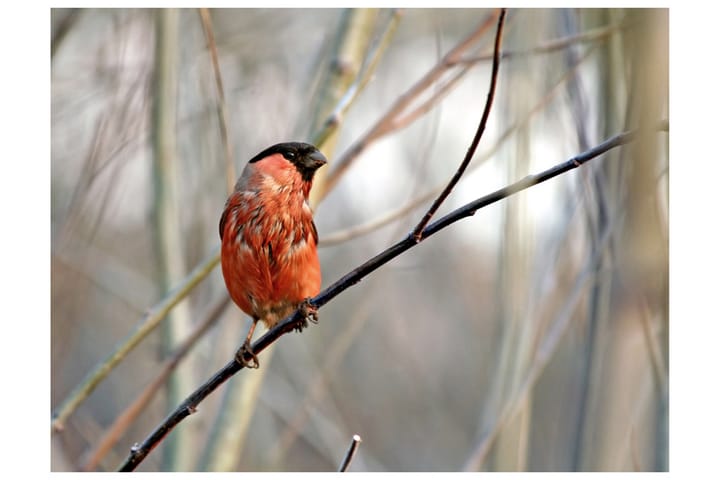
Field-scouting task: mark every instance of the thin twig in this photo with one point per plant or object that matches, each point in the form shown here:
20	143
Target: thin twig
125	419
139	451
222	112
441	92
350	453
549	46
478	134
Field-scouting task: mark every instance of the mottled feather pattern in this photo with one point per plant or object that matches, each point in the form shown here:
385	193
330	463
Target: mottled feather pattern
269	241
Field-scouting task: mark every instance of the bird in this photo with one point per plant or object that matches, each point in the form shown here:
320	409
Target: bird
269	240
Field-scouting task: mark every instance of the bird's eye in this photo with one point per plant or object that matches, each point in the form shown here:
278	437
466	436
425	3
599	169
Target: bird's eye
290	155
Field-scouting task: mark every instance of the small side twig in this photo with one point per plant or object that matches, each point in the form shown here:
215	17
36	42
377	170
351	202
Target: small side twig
550	46
230	175
350	454
139	451
478	134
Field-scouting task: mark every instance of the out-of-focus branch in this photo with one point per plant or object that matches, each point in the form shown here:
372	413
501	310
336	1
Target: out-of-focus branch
230	175
167	233
542	357
334	118
125	419
149	321
386	122
353	40
659	368
550	46
62	28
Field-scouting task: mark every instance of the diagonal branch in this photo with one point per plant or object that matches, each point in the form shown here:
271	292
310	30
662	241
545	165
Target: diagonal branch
478	134
550	46
222	112
139	451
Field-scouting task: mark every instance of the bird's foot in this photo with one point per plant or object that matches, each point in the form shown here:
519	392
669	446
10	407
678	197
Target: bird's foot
246	350
309	312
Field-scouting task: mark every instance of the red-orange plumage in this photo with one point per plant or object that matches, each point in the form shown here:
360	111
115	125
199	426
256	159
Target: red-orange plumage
269	241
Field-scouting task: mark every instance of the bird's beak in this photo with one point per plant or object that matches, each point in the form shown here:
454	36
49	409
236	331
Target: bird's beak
315	160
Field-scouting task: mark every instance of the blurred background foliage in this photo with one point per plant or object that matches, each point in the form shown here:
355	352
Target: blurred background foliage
532	336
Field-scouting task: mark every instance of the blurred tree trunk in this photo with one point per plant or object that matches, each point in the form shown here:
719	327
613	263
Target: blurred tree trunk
177	452
644	236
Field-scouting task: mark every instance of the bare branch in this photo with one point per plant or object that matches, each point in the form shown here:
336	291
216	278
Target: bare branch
593	35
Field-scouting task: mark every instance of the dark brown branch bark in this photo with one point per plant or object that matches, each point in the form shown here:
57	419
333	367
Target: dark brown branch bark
139	451
478	134
350	453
